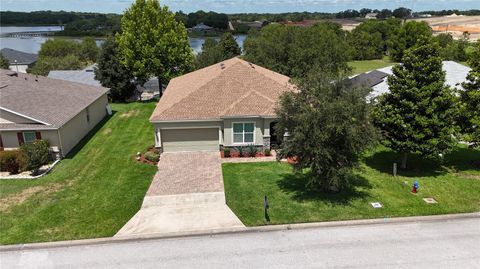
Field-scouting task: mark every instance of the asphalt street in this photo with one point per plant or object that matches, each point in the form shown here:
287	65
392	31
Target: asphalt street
436	244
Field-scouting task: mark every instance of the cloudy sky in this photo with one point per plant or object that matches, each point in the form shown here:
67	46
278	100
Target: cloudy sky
237	6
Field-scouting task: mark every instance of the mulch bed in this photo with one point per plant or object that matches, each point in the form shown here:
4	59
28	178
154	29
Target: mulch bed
234	154
142	157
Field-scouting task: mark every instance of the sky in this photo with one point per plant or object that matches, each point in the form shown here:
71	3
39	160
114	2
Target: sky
238	6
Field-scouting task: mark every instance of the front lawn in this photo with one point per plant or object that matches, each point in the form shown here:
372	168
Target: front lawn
91	193
455	185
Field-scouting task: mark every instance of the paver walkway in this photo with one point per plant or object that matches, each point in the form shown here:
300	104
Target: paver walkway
186	195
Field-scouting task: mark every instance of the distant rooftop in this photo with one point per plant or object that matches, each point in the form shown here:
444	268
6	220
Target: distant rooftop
85	76
19	56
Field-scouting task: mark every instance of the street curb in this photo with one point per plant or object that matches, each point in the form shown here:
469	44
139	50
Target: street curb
267	228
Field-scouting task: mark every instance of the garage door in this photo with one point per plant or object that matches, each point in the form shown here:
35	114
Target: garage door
190	139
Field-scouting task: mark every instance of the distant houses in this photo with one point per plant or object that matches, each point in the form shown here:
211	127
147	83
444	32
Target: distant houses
371	16
87	76
19	61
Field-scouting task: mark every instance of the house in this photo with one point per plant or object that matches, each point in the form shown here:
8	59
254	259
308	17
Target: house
455	74
228	104
19	61
202	27
370	16
87	76
61	112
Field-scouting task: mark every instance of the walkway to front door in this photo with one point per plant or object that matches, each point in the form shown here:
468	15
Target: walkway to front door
186	195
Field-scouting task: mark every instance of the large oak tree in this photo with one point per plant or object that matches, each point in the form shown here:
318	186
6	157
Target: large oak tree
153	43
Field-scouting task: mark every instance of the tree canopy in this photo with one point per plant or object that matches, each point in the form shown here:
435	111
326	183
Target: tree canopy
406	37
153	43
295	51
418	113
214	52
113	74
4	63
470	114
328	127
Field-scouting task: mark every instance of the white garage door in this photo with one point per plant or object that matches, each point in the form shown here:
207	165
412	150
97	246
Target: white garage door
204	139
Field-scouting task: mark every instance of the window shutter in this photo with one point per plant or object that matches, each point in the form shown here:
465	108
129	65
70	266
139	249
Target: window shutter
38	135
20	138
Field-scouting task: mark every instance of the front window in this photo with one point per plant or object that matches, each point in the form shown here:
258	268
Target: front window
243	133
29	137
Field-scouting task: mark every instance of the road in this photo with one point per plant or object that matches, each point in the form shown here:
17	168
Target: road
438	244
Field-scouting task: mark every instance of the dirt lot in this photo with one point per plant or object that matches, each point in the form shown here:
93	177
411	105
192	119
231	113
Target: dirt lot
455	25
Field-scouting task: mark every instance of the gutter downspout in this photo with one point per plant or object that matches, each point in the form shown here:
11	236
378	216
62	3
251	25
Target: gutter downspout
60	142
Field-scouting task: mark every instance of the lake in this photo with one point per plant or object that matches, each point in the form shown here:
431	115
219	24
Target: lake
33	44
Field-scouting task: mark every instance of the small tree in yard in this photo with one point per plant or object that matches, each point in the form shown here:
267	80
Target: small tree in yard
154	43
4	63
113	74
35	154
418	114
328	127
470	116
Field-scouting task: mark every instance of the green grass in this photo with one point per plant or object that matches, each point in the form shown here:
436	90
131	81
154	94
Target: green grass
359	67
91	193
455	185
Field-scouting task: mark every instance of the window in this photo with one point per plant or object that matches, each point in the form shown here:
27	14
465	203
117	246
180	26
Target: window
29	137
88	115
243	133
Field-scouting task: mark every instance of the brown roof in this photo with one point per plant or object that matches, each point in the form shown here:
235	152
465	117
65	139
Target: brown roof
46	100
232	88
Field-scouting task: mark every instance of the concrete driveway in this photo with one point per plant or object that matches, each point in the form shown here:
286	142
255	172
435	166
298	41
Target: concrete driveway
186	195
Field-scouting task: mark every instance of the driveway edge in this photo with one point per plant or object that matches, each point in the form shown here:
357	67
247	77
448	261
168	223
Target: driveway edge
281	227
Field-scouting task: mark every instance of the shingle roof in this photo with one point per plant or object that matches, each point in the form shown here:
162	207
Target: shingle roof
46	100
368	79
231	88
20	56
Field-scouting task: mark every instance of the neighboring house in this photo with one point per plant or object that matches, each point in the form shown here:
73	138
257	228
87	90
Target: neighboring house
61	112
19	61
371	16
224	105
87	76
455	74
202	27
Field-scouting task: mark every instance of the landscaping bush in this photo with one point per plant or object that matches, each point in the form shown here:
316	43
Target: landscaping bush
267	152
36	154
252	150
240	151
151	156
10	161
226	152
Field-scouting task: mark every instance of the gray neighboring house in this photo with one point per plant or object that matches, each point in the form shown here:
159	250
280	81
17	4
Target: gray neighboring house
61	112
455	74
19	61
87	76
229	104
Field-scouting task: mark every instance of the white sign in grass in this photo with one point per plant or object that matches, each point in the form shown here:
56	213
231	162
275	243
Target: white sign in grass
430	200
376	205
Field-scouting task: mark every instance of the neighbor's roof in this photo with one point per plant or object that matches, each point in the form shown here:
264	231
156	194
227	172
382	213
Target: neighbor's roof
455	74
50	102
85	76
368	79
20	56
233	88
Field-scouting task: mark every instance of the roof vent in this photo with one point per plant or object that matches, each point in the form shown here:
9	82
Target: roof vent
251	65
222	65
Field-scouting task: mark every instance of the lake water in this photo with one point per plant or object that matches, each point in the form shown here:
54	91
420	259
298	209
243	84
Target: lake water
33	44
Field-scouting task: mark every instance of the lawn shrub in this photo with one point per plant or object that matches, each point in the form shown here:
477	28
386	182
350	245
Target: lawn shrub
252	150
226	152
240	151
11	161
151	156
36	154
267	152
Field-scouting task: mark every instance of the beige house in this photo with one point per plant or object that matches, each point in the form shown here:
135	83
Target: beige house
61	112
228	104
